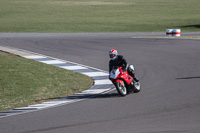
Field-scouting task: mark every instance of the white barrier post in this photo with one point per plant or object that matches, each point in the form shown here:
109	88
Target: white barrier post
176	32
169	32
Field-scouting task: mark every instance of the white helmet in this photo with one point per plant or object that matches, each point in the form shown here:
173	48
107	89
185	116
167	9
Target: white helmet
113	54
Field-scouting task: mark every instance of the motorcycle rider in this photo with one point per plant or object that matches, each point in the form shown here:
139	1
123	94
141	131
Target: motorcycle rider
120	61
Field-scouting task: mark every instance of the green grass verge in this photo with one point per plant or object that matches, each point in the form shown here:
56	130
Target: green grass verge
24	82
99	15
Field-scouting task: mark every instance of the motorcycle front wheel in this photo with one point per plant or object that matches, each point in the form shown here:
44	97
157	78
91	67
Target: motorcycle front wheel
121	88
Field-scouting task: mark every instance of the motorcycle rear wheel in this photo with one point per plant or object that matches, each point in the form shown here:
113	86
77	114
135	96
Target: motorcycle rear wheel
122	90
137	88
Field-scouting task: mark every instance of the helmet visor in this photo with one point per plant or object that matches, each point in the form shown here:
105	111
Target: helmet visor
112	56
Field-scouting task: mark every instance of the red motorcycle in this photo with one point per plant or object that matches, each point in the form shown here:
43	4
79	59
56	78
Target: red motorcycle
123	82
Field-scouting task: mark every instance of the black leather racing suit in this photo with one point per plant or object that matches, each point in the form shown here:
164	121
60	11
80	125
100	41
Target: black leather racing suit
120	61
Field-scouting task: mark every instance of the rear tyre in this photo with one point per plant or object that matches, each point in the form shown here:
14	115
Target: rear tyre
137	87
121	88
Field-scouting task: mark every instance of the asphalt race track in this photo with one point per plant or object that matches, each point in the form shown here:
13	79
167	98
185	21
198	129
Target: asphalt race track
168	69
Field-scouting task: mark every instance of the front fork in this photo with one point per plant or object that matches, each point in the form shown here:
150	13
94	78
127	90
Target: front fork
122	83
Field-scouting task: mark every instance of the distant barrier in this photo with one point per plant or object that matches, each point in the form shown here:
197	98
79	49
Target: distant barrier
173	32
169	32
176	32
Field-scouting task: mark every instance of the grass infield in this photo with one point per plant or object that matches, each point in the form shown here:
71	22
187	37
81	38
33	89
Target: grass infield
24	82
99	15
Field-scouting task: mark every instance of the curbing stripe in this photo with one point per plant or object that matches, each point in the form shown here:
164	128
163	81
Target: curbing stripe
51	62
34	57
96	74
73	67
102	83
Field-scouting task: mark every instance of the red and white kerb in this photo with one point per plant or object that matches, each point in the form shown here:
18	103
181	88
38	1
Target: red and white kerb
173	32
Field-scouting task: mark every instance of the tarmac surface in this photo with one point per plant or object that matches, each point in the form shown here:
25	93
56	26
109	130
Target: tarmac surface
168	69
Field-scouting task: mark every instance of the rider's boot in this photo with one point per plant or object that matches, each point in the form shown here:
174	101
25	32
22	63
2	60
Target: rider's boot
134	77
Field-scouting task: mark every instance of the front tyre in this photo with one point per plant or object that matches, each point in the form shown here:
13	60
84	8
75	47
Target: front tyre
121	88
